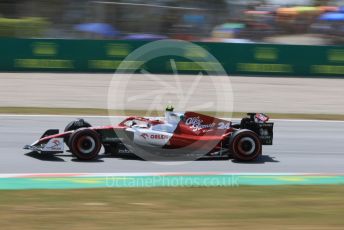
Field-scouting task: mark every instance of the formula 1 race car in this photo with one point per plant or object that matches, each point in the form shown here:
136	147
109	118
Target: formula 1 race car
181	133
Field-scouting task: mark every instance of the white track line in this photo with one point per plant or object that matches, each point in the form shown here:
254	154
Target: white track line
135	174
90	116
52	115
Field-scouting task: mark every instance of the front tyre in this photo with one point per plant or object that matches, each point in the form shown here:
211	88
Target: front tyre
245	145
74	125
85	144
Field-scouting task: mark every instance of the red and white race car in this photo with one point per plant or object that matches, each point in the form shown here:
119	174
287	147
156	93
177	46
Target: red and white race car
182	135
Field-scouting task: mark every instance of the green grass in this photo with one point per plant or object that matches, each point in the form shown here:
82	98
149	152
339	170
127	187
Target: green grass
261	207
105	112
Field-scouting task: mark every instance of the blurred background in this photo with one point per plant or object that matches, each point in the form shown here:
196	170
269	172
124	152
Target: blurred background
313	22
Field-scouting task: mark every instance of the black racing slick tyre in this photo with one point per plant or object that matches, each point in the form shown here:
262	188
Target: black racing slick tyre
85	144
74	125
245	145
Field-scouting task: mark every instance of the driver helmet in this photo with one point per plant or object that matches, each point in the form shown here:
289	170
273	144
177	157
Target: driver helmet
169	108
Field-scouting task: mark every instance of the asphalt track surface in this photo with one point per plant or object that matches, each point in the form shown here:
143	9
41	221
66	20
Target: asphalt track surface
299	147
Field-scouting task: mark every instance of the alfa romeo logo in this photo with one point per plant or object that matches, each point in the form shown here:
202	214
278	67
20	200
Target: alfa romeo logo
134	87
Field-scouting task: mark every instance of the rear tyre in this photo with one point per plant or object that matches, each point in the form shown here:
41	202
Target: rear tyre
85	144
245	145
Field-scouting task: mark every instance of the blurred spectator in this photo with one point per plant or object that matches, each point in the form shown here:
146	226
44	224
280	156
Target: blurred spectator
259	20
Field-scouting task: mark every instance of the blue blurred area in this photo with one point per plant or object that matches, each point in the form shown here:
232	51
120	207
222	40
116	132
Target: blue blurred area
332	17
98	28
144	37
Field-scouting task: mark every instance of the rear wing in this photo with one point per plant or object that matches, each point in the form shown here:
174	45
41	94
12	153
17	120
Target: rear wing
258	123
